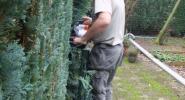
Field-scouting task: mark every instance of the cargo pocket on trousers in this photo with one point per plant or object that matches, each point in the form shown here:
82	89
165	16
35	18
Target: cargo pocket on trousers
99	83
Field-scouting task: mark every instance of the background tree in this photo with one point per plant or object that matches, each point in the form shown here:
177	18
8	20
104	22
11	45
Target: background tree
178	20
160	38
129	8
149	16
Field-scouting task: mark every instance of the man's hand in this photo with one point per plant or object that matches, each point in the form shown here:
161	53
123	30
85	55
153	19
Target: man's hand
87	20
98	26
79	40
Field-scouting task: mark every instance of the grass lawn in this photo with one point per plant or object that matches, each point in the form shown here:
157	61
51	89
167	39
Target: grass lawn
145	81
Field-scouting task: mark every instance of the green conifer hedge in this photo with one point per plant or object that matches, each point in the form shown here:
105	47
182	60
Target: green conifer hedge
36	60
79	78
34	48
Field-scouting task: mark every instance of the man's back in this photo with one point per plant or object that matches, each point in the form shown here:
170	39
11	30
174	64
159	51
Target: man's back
107	32
114	32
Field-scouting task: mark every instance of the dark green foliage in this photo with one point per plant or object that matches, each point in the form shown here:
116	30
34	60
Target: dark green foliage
149	15
40	70
13	65
34	51
10	18
79	78
50	70
81	8
13	60
16	8
178	23
169	57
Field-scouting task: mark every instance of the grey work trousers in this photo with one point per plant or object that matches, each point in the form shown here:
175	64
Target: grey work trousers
104	59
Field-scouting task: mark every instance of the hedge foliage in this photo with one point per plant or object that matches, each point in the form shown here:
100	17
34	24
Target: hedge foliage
34	50
79	77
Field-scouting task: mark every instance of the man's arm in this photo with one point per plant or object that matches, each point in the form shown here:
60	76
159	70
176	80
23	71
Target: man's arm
98	26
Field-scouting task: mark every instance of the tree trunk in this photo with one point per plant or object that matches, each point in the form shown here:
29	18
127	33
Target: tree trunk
162	34
130	5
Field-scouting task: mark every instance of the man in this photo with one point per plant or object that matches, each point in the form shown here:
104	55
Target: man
106	32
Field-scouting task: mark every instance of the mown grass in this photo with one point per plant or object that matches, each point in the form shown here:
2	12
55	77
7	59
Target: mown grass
157	86
139	82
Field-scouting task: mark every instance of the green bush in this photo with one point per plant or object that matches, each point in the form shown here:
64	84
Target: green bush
169	57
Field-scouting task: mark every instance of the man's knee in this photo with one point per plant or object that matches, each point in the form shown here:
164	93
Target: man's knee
99	83
99	97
